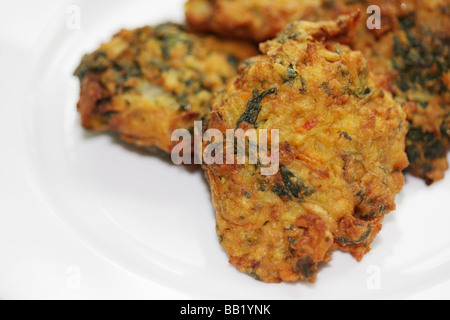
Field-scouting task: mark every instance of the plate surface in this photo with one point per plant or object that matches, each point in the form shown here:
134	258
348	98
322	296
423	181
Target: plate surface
84	215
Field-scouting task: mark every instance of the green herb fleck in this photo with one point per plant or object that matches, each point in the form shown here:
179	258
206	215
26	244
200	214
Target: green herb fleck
375	214
304	88
325	86
361	195
254	107
281	191
346	136
363	238
290	75
293	186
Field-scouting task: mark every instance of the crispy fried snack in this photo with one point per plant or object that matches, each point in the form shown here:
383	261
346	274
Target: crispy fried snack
146	83
256	20
410	56
342	142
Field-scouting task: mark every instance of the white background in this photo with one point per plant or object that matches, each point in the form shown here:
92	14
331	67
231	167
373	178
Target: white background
84	216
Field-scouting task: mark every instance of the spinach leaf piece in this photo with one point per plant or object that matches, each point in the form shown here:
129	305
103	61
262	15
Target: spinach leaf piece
254	107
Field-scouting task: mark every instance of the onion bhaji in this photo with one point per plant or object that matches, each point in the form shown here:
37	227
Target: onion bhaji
145	83
409	56
342	142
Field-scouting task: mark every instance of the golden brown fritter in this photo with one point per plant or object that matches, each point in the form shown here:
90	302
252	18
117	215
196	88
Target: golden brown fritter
410	56
146	83
256	20
342	142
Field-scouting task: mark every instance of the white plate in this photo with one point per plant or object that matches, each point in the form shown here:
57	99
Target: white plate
86	216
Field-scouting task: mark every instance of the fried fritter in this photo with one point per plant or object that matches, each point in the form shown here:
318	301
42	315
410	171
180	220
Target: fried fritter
256	20
342	142
146	83
409	56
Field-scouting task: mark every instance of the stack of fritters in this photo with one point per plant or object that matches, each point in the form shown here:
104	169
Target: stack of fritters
341	112
409	56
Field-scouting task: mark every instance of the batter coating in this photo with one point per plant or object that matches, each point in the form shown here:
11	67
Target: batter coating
145	83
342	142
